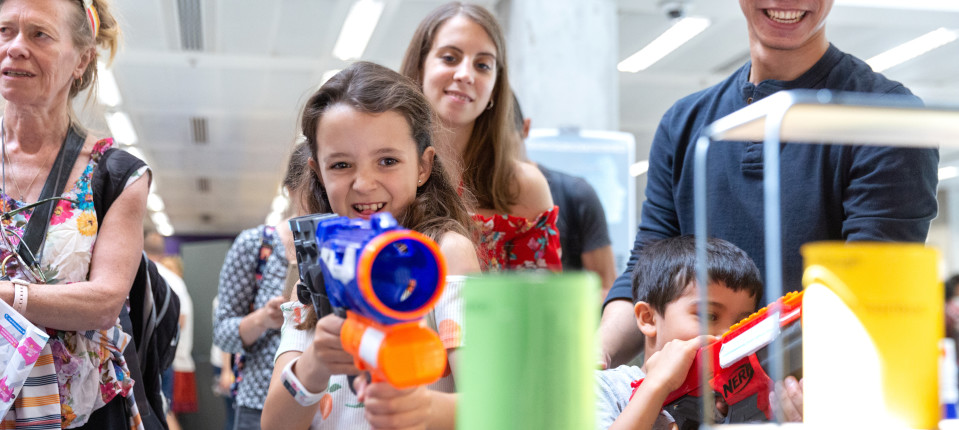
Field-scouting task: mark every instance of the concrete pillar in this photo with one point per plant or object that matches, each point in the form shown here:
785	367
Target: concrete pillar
562	59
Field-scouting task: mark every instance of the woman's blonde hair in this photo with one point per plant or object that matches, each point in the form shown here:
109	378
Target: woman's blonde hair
488	168
107	39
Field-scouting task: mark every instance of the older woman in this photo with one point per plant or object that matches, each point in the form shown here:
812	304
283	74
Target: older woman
83	267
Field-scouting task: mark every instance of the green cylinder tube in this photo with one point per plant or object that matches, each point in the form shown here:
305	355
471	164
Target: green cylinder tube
529	352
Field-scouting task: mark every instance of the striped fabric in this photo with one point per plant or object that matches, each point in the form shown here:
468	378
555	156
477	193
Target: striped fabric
38	405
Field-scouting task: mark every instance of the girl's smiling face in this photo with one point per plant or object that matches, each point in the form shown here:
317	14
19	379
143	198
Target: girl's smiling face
368	162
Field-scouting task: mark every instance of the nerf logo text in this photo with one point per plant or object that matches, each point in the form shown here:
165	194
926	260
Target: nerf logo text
739	380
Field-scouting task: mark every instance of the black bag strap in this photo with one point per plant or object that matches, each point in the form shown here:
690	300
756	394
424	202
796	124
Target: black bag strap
57	179
148	415
149	318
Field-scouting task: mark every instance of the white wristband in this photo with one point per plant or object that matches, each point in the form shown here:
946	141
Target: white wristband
20	292
295	387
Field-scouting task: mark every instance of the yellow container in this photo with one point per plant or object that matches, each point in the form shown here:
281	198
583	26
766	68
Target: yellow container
872	321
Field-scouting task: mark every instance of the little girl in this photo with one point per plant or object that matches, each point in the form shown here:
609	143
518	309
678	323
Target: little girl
370	132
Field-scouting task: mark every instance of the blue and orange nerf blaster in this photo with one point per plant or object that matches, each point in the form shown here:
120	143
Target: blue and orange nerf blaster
738	359
382	279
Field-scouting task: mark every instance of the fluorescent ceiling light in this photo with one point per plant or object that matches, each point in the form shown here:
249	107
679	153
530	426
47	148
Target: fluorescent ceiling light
327	75
681	32
279	204
357	29
165	230
108	93
948	172
121	128
638	168
160	218
933	5
155	203
911	49
273	218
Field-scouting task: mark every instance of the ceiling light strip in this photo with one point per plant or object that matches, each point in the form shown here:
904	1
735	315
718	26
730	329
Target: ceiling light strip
912	49
121	127
638	168
108	93
357	29
930	5
681	32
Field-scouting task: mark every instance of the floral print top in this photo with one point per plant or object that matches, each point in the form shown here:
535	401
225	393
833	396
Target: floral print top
90	368
509	242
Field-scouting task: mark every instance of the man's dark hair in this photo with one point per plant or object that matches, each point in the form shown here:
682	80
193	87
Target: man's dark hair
666	267
518	118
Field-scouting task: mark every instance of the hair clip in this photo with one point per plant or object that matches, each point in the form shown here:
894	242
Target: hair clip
93	16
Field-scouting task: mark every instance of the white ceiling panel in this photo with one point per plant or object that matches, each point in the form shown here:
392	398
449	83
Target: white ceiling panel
263	58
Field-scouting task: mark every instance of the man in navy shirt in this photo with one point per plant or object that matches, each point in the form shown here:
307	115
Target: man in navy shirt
829	192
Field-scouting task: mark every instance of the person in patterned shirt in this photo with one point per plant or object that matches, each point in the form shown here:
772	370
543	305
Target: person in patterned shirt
252	280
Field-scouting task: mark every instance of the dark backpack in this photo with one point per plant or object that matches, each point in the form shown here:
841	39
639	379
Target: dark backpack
154	315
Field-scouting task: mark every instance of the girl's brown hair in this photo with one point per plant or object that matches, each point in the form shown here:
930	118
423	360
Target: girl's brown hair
300	182
488	158
371	88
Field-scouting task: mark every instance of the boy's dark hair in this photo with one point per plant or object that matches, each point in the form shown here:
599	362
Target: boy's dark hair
666	267
518	119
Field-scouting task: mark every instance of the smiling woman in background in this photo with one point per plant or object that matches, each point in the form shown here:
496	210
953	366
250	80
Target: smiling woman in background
458	57
84	265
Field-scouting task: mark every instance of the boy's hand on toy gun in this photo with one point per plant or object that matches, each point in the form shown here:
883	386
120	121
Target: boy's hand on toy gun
391	408
791	393
667	368
270	315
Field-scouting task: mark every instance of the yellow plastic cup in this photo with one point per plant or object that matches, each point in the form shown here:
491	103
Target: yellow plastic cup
872	321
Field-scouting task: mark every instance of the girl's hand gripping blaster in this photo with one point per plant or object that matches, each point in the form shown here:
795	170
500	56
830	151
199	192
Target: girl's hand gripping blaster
738	359
383	279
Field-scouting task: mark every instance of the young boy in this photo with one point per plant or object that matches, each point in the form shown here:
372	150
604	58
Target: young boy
666	300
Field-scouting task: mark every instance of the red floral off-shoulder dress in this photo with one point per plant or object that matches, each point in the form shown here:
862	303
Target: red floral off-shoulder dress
509	242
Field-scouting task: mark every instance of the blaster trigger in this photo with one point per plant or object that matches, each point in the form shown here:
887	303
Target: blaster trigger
686	411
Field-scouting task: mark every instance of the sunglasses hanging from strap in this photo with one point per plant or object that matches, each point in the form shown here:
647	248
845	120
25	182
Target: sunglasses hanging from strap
36	229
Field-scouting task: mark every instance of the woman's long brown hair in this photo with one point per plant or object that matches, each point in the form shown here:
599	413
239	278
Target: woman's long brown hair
488	158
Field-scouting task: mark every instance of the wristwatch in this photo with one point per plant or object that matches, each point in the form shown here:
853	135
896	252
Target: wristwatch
295	387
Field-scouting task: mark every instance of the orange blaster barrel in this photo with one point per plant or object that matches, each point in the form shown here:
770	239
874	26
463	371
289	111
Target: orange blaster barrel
404	354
